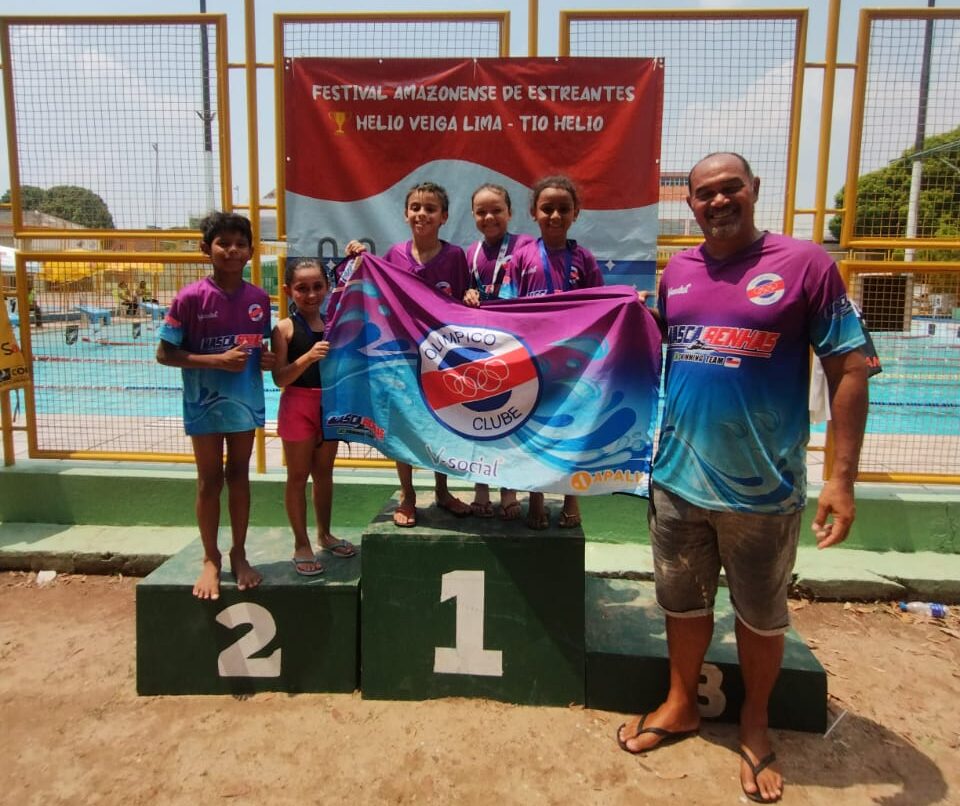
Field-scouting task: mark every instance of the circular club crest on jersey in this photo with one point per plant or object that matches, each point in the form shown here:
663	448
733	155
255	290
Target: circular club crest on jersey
479	382
765	289
255	312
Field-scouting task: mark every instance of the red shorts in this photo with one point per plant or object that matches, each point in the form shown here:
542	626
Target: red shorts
300	414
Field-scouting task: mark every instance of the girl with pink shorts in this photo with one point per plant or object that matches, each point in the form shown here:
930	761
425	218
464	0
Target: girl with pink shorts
299	346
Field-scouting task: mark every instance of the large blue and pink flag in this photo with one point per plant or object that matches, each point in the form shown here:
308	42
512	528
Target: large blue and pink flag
555	393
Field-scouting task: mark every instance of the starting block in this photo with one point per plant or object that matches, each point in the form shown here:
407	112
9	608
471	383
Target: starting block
96	315
156	311
291	633
628	670
472	608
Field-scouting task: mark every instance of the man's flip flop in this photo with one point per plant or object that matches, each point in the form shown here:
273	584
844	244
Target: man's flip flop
300	562
756	769
666	736
342	548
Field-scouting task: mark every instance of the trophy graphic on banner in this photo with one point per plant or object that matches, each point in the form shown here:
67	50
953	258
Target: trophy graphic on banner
339	118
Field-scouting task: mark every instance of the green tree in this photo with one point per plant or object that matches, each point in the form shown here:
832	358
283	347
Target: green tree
883	195
79	205
69	202
30	197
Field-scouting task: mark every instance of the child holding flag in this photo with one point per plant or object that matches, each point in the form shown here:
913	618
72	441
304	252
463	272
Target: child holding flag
490	260
442	266
552	264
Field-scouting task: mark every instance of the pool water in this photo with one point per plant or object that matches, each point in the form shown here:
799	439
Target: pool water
113	371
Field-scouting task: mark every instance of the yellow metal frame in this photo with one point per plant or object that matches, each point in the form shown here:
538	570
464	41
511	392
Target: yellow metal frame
848	239
851	267
798	15
502	18
219	24
33	450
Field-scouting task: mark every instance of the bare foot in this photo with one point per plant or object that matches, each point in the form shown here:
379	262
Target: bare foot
207	585
639	739
756	753
246	575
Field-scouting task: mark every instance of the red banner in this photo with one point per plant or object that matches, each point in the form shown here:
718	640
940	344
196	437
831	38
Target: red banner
357	127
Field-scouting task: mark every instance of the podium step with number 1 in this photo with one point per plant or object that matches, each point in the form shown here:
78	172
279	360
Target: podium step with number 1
472	608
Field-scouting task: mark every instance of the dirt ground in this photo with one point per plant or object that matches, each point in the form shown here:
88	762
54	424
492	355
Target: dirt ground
73	730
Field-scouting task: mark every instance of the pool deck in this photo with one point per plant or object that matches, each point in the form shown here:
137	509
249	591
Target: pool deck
837	573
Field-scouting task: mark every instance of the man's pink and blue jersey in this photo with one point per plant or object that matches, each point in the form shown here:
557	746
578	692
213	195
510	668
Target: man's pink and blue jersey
538	271
739	331
446	271
204	319
492	265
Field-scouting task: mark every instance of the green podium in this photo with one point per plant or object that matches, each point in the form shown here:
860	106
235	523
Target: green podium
291	633
628	669
472	608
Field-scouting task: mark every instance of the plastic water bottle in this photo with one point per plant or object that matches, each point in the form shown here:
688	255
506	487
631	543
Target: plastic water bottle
934	609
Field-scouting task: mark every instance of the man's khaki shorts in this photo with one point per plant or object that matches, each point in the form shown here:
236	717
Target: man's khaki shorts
757	552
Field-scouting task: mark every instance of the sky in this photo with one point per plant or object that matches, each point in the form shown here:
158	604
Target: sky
548	39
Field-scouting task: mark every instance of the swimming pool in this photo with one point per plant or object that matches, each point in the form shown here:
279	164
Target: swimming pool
112	371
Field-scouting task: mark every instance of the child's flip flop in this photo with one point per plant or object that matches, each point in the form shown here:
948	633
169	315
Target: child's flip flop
342	548
300	562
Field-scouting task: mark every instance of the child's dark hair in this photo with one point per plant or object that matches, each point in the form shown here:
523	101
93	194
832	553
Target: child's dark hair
430	187
219	223
557	181
297	263
500	189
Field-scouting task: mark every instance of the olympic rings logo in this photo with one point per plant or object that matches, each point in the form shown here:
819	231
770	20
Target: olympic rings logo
487	377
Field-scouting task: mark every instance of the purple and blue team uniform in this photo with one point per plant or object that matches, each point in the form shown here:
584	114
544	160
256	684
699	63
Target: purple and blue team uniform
204	319
570	267
739	331
491	266
446	271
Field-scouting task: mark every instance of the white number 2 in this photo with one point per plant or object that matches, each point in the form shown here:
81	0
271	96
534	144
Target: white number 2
236	660
467	656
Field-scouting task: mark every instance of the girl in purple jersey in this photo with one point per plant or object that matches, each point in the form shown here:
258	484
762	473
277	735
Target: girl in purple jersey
551	264
490	260
300	346
442	266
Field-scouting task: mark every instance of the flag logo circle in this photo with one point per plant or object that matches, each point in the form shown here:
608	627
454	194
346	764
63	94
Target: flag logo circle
479	382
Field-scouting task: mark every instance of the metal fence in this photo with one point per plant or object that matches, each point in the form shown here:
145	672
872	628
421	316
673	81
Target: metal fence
754	110
913	429
903	180
153	142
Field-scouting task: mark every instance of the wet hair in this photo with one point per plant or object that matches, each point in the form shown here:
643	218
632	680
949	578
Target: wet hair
219	223
734	154
557	181
429	187
498	189
295	264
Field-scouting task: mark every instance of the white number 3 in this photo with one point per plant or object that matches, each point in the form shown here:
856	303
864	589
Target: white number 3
236	660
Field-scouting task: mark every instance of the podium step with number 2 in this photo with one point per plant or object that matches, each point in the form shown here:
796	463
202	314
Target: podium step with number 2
291	633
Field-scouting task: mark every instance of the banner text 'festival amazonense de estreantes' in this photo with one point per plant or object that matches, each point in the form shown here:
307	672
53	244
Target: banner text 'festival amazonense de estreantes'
360	132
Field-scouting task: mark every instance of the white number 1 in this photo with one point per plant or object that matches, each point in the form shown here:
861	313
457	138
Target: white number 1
467	656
